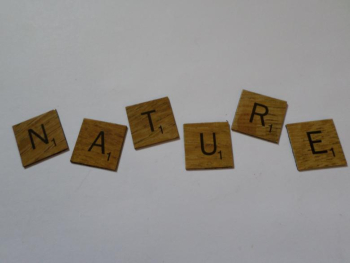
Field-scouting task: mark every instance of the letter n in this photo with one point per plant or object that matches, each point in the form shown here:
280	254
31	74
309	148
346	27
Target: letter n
31	133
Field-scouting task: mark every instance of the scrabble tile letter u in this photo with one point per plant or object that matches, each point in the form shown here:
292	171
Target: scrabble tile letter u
208	145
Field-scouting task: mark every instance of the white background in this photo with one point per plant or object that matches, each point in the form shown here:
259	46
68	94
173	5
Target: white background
91	59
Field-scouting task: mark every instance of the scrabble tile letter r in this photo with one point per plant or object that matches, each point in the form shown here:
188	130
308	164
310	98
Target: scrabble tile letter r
260	116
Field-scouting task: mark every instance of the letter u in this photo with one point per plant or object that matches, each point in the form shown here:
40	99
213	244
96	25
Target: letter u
202	145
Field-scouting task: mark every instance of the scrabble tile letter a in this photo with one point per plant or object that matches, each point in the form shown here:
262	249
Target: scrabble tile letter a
208	145
315	145
152	122
99	144
260	116
40	137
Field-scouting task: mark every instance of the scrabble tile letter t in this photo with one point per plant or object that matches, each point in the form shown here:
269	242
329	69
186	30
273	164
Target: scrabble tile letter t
152	122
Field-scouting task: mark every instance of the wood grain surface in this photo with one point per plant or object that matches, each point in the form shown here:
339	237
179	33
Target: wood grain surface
40	137
152	122
260	116
99	144
315	145
208	145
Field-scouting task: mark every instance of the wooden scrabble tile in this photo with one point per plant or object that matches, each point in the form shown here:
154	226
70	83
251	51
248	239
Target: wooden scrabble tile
208	145
40	138
315	145
152	122
260	116
99	144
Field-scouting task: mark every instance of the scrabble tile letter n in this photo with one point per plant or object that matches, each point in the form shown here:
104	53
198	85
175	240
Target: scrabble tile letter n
315	145
260	116
99	144
152	122
208	145
40	138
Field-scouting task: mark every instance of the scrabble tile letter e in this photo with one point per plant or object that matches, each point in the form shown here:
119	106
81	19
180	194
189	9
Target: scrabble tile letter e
315	145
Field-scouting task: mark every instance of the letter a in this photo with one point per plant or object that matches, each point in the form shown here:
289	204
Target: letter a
102	145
